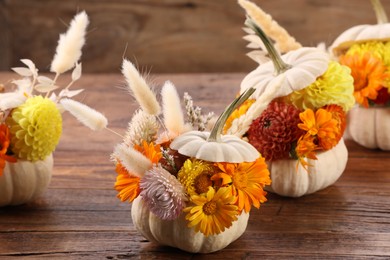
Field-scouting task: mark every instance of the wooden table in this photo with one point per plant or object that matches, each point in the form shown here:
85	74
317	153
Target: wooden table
79	215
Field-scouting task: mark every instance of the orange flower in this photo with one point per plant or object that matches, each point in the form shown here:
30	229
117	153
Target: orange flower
246	181
153	152
306	148
320	125
340	116
126	184
369	74
4	144
241	110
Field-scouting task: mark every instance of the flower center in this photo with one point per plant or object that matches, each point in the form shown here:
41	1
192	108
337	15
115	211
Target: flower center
266	123
210	208
240	180
202	183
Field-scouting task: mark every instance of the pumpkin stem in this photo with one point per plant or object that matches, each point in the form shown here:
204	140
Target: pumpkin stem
279	64
215	135
379	11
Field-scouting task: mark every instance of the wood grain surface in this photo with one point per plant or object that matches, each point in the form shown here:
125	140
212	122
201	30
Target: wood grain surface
79	216
166	35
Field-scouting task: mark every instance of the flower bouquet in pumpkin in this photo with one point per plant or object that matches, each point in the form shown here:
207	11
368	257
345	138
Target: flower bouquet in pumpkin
297	115
31	119
365	49
190	188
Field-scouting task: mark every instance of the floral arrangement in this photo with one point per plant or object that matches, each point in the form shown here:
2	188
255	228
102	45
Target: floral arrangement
170	180
365	49
369	62
289	117
31	115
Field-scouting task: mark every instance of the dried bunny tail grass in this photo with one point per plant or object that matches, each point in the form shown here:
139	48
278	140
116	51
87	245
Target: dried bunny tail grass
142	127
172	111
85	114
284	41
141	91
134	162
11	100
69	46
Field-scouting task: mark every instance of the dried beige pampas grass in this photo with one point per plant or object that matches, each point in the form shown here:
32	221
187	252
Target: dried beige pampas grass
284	41
145	97
85	114
69	46
134	161
172	111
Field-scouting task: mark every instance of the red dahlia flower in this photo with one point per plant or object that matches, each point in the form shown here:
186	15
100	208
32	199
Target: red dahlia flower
275	131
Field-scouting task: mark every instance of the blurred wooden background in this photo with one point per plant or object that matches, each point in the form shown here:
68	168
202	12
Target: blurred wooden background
165	35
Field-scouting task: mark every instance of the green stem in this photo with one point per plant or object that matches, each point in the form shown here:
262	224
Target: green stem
215	135
379	11
279	64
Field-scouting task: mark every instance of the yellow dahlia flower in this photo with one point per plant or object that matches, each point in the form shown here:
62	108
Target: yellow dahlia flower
36	128
335	86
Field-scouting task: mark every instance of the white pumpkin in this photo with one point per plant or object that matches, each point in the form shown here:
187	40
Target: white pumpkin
323	172
214	147
360	33
307	64
370	127
230	149
24	181
363	33
176	234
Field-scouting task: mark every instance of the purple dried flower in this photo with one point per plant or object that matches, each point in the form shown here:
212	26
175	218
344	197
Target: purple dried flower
163	193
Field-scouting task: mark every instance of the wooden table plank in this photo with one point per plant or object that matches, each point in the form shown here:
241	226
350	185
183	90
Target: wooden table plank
79	215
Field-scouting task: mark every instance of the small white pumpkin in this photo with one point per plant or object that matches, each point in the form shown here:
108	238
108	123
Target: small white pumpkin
176	234
213	146
364	32
229	149
307	64
285	74
24	181
287	181
370	127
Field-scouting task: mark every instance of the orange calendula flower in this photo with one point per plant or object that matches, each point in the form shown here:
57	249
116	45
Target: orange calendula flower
321	125
306	148
245	180
340	116
212	212
369	74
241	110
4	144
126	184
151	151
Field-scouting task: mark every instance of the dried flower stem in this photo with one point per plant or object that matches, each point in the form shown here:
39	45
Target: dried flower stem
379	11
114	132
